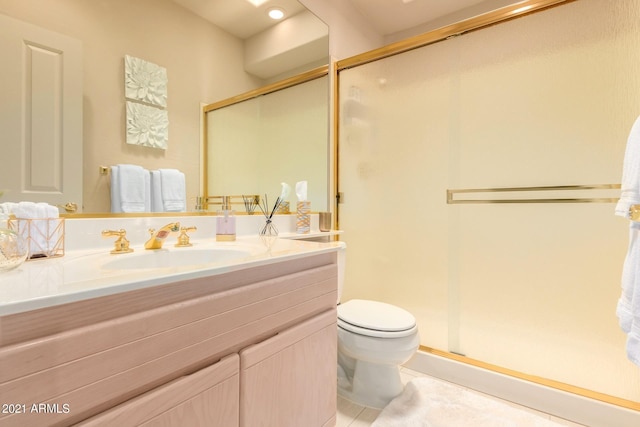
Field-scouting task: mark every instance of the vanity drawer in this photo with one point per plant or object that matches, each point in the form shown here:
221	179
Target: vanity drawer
209	397
96	367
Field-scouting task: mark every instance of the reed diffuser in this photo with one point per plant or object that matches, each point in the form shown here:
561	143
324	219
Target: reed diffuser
269	232
269	229
250	203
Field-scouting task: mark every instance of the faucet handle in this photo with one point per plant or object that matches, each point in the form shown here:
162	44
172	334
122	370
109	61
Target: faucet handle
183	238
121	243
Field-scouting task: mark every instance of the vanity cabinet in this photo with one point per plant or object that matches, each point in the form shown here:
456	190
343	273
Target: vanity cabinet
255	346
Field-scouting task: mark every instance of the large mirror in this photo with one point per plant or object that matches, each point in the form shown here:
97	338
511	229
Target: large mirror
204	63
267	137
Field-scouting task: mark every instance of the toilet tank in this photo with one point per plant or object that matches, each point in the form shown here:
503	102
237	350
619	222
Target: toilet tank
342	257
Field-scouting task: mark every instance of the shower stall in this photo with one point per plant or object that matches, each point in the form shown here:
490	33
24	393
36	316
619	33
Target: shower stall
477	177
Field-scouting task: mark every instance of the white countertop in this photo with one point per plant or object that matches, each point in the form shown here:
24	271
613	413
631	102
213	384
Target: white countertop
83	274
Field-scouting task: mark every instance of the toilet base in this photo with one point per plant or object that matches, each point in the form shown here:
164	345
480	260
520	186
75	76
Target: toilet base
372	385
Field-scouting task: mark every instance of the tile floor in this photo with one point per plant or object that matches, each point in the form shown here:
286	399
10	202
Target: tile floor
353	415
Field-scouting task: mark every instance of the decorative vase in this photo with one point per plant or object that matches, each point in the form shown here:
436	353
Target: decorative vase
268	233
13	250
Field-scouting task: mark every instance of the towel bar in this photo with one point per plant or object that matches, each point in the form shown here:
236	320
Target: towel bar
207	201
452	200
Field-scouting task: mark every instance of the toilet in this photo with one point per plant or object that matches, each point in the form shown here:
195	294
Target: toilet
374	339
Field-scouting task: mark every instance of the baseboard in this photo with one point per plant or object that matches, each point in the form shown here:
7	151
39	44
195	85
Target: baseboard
570	406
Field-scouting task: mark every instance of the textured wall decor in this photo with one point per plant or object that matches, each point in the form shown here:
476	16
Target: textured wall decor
145	81
147	126
145	87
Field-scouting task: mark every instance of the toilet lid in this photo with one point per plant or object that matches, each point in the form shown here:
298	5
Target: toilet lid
375	316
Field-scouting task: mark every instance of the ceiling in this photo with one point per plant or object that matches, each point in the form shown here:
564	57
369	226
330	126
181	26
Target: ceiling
391	16
244	19
241	17
286	54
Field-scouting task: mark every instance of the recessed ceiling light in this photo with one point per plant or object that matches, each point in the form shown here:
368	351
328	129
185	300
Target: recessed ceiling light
257	3
275	13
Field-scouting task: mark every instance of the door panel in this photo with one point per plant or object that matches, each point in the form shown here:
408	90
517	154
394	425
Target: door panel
41	114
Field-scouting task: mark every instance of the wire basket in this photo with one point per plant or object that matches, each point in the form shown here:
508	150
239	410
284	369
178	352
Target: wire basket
45	236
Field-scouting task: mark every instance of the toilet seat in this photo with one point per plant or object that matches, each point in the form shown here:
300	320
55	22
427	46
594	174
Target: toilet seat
375	319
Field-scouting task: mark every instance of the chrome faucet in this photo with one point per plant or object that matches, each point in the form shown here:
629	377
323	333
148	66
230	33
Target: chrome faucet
157	237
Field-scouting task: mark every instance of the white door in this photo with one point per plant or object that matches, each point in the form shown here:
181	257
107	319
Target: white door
40	115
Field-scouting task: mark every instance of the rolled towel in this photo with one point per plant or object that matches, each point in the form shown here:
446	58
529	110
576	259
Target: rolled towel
6	209
26	210
42	227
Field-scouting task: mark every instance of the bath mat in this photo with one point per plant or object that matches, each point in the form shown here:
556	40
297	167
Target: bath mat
427	402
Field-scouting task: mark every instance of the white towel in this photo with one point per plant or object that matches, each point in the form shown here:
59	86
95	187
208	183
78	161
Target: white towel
43	233
172	190
147	191
130	189
156	192
6	209
26	210
116	200
628	308
630	194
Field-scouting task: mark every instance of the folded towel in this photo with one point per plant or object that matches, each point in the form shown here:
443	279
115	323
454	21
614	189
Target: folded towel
130	189
116	200
628	307
147	191
156	192
172	190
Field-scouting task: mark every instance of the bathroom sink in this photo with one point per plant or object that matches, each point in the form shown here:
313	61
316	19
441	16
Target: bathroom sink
173	258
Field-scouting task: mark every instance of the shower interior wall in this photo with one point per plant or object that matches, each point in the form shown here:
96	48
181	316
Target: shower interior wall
546	99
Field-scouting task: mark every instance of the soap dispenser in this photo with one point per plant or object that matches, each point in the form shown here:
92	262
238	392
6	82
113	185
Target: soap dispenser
226	222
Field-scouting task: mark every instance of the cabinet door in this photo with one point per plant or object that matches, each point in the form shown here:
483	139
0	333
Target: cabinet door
206	398
290	379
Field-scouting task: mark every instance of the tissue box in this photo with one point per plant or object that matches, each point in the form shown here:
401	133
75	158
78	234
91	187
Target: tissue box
303	220
45	236
283	208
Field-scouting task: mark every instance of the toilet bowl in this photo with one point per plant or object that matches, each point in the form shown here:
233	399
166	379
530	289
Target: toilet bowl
374	339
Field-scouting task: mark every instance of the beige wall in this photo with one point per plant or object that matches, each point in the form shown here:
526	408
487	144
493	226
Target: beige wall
547	99
204	64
